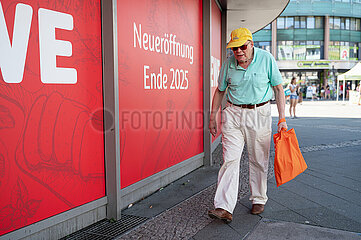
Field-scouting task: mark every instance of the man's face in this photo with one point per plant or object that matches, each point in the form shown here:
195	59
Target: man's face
243	55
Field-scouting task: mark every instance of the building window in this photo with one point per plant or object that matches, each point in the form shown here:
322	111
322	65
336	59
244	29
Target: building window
299	50
263	45
300	22
347	24
313	50
319	22
281	23
289	22
352	24
330	22
358	22
310	22
285	50
334	50
343	23
336	23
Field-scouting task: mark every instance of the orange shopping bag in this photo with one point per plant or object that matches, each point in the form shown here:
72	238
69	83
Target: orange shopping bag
289	161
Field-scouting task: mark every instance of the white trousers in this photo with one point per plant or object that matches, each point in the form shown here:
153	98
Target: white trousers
240	126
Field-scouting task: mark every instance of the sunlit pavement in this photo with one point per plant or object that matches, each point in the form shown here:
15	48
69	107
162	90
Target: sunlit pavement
321	203
319	108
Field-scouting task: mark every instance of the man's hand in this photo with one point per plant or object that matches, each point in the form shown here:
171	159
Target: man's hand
213	127
216	103
282	125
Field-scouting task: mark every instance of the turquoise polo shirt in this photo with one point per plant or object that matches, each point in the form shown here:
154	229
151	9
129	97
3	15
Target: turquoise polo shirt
252	85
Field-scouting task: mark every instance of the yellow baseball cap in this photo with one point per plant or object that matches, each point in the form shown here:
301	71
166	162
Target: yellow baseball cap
239	37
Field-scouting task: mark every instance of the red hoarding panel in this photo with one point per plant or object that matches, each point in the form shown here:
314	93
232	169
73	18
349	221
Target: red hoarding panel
160	85
216	24
51	138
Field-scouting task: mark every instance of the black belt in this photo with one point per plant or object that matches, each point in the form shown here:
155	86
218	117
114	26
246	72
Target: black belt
249	106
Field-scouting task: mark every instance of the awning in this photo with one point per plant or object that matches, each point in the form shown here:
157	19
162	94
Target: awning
351	75
253	15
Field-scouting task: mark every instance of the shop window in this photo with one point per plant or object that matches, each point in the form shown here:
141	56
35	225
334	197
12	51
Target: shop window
299	50
344	50
334	50
353	51
313	50
285	50
310	22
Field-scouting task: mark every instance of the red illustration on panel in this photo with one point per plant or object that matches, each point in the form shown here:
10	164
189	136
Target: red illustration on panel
51	138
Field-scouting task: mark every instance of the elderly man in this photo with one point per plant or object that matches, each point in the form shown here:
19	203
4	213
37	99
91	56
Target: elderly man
249	77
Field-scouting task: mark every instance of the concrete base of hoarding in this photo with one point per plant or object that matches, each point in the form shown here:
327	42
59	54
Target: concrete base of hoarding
145	187
62	224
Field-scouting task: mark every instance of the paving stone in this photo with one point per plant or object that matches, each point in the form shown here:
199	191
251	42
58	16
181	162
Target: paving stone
333	188
289	200
243	221
325	217
217	230
324	199
341	180
275	230
285	215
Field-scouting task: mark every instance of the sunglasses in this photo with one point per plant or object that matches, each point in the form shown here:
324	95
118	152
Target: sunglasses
243	47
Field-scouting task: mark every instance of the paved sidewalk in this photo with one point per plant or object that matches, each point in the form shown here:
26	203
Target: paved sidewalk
322	203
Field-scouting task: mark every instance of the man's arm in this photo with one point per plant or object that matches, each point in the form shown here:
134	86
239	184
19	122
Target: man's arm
280	101
216	103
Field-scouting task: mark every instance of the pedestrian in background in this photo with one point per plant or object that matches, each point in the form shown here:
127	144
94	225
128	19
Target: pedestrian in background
309	91
314	92
327	92
300	94
322	95
249	76
293	86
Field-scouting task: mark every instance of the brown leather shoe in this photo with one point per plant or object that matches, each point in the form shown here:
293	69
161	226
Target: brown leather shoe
257	209
220	213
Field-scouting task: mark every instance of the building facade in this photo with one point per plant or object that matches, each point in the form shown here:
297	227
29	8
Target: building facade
315	40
